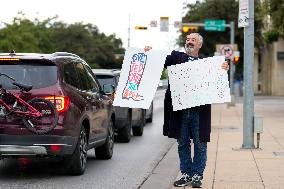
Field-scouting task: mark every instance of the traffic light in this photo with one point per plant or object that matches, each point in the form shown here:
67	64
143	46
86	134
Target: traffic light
186	29
236	59
140	27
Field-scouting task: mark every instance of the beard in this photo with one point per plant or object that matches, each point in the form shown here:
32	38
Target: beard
189	48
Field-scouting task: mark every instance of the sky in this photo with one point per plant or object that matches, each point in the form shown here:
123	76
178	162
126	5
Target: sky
111	16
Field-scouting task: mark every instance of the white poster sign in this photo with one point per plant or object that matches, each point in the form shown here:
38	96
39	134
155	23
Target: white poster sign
243	20
199	82
139	78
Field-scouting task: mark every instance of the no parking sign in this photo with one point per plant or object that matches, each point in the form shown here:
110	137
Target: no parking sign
227	50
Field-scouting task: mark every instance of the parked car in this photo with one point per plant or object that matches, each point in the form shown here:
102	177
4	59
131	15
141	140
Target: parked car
125	118
86	116
163	84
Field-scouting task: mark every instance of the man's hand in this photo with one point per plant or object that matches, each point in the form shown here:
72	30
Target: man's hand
147	48
225	66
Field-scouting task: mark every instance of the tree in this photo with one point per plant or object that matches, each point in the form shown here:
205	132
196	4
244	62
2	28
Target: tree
24	36
273	13
224	10
50	35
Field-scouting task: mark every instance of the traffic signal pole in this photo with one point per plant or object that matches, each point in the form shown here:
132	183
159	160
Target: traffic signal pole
232	65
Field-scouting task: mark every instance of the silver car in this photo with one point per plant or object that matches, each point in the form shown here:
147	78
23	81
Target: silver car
125	118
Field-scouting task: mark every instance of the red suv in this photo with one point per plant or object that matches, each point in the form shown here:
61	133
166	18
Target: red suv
85	114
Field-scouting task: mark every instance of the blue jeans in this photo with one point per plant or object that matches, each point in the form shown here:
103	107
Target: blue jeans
188	165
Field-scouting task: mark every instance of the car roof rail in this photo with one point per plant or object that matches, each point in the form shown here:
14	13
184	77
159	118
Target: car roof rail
115	70
65	54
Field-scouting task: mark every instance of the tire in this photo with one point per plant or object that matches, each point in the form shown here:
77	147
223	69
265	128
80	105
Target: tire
106	150
76	163
124	134
138	131
150	119
47	122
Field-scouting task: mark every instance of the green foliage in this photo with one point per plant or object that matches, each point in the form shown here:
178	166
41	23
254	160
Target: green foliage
212	9
224	10
271	36
275	9
164	75
47	36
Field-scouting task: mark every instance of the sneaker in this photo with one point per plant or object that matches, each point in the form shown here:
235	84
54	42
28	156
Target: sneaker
196	181
183	181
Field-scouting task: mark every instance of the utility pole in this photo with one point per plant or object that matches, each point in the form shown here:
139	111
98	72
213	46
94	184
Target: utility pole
248	109
128	40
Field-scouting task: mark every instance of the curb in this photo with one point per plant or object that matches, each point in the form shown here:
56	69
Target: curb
165	172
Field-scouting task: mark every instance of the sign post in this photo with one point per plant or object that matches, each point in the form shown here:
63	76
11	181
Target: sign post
248	110
243	20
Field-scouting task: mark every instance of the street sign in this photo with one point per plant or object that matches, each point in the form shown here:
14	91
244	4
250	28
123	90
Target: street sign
214	25
227	50
243	13
164	24
153	23
177	24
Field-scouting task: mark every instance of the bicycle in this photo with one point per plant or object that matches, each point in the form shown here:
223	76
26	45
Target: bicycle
38	115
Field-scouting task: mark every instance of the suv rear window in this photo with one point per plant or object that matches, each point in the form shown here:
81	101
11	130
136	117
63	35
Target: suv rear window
38	75
106	79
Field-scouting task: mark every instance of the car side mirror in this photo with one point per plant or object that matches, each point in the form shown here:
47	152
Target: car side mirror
108	89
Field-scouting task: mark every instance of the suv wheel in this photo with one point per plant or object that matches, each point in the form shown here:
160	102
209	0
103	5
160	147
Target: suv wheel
150	119
124	134
106	150
138	131
76	163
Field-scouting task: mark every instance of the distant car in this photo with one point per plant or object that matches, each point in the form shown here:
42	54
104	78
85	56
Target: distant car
125	118
86	116
163	84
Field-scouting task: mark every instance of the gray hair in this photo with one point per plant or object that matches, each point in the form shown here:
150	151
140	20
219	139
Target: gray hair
200	38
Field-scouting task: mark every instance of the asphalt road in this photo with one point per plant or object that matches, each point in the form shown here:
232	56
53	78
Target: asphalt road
131	165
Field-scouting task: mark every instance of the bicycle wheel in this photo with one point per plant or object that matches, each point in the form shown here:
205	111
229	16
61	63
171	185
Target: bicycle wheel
47	122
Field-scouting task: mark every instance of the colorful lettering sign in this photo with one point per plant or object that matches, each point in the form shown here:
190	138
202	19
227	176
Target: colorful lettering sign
139	78
137	67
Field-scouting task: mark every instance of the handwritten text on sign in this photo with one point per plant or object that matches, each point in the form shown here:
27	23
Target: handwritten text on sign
199	82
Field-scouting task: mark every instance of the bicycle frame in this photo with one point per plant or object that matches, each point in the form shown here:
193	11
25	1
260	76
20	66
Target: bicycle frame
32	111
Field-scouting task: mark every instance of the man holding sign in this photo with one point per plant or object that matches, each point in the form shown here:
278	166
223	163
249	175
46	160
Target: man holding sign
191	123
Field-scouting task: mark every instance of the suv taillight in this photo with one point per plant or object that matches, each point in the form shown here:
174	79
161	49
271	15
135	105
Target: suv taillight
62	102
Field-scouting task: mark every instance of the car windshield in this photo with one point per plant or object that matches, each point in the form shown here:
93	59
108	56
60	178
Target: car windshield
38	75
106	79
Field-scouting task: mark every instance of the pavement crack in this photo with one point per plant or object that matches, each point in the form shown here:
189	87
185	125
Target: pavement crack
215	163
217	145
258	170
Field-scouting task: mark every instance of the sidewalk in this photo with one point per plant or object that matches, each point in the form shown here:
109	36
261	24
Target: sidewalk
230	167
